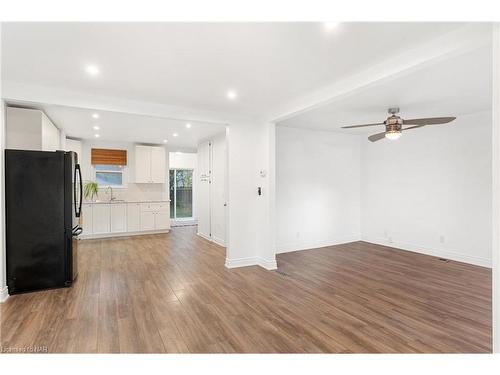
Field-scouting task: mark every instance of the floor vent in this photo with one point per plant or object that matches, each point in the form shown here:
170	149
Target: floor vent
444	260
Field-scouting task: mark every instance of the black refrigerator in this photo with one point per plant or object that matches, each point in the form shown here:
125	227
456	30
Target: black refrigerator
43	202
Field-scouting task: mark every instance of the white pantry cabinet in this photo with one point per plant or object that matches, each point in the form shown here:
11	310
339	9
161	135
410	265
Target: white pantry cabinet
150	164
118	217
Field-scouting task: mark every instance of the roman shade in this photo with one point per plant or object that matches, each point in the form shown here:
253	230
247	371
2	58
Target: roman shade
108	157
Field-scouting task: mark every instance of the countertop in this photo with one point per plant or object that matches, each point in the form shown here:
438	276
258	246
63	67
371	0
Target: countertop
117	201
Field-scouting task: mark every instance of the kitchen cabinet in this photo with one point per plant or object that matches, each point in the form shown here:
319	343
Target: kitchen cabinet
101	223
124	218
162	220
30	129
158	165
147	220
86	219
150	164
142	164
133	217
118	222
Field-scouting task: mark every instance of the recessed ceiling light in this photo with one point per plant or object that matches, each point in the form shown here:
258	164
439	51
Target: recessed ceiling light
96	127
165	141
175	134
92	70
330	26
188	125
95	115
96	135
231	94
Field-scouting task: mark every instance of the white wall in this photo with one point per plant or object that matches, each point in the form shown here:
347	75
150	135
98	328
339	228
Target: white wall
317	188
218	190
3	272
431	190
132	190
247	237
496	188
183	160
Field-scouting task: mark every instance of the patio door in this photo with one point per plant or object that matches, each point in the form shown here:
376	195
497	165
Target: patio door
181	194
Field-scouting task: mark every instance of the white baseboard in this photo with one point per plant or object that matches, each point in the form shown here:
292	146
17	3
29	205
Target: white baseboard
252	261
122	234
213	239
308	245
4	294
268	264
219	241
241	262
447	254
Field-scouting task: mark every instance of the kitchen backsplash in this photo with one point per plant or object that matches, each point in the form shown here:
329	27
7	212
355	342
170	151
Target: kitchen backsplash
137	192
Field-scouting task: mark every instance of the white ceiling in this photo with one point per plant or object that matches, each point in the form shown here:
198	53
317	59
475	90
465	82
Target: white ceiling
125	127
194	64
451	87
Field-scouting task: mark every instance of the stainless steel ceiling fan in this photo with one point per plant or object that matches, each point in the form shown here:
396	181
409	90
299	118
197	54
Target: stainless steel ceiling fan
394	125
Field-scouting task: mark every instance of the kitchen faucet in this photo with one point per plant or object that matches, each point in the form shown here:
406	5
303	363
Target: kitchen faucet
111	198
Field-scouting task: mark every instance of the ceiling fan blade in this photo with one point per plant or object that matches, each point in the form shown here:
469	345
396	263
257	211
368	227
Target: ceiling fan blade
360	126
429	121
413	127
376	137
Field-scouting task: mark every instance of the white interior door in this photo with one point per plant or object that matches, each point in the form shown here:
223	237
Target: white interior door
218	191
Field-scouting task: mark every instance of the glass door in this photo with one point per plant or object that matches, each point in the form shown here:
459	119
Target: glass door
181	193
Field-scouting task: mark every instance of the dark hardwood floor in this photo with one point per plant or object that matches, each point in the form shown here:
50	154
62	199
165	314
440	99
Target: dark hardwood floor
172	293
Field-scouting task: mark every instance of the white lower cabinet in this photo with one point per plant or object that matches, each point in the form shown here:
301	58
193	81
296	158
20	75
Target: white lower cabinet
101	222
86	219
147	220
133	217
106	219
162	220
118	217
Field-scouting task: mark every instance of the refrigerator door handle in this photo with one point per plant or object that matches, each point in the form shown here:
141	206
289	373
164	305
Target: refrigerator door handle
78	210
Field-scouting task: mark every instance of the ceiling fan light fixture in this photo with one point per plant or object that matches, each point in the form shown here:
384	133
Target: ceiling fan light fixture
393	134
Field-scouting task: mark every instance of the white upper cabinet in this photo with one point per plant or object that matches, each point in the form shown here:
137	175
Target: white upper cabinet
158	165
150	164
142	164
31	129
50	135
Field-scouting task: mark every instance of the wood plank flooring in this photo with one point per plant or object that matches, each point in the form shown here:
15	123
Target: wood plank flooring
171	293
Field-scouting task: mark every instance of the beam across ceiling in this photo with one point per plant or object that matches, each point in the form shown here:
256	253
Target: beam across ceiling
455	43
